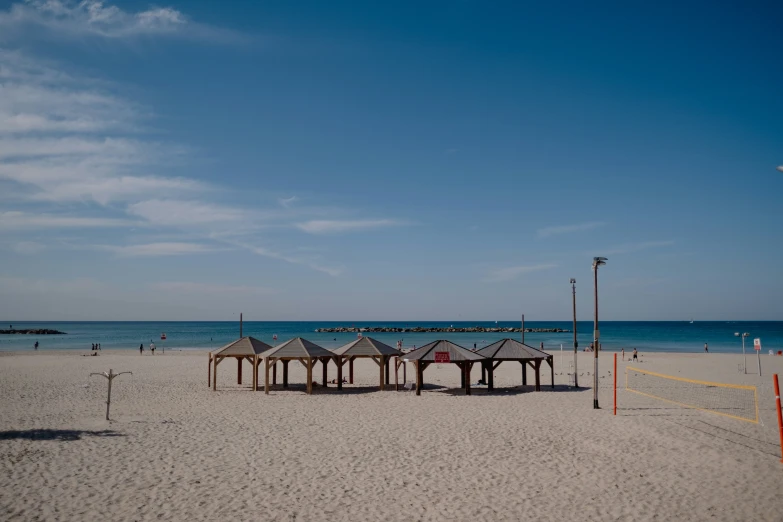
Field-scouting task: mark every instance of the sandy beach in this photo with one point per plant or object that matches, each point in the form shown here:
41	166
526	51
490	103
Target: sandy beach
175	450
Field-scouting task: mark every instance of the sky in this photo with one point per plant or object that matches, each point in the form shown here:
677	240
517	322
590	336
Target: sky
456	160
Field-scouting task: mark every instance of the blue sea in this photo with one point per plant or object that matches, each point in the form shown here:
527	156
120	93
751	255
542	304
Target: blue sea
680	336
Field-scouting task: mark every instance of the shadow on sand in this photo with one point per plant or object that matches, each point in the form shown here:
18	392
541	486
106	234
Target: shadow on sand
64	435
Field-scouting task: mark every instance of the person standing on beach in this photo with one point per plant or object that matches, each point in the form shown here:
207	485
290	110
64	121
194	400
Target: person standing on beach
152	347
36	345
706	350
623	352
635	355
141	349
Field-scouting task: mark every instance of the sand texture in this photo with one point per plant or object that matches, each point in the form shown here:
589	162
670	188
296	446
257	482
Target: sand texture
175	450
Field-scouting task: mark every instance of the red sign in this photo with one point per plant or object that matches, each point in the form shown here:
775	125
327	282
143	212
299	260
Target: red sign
757	344
442	357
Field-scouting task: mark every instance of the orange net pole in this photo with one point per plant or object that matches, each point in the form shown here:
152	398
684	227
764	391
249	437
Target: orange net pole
614	375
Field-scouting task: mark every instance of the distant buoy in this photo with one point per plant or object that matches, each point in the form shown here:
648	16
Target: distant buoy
274	337
163	337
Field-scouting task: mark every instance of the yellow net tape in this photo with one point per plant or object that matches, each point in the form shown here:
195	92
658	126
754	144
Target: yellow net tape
730	400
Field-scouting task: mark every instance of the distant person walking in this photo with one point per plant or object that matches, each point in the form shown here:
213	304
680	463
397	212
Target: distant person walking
141	349
635	355
36	345
152	347
623	352
706	349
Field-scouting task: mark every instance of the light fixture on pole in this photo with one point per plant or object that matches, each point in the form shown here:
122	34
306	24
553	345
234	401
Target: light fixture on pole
597	261
780	168
576	344
744	361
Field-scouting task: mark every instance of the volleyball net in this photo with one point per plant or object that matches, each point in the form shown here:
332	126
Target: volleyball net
731	400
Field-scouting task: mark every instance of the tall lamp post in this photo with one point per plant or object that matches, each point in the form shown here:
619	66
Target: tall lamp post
597	261
576	344
744	360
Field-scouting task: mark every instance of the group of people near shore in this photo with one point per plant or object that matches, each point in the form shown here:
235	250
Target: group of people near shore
96	347
151	348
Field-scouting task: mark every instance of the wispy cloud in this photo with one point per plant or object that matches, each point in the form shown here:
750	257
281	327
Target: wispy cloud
293	259
512	272
28	247
629	248
287	202
337	226
565	229
210	288
183	213
101	19
159	249
14	220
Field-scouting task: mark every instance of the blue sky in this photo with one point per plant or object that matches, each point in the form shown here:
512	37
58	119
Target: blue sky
399	161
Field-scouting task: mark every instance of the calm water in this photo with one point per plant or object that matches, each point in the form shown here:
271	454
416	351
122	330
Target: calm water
644	335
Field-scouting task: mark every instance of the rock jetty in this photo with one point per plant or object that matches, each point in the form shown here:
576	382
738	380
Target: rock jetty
430	329
37	331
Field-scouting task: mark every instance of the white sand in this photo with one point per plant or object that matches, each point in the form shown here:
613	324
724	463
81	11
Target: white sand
178	451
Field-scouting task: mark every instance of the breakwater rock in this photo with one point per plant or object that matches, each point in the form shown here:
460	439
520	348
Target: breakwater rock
37	331
428	329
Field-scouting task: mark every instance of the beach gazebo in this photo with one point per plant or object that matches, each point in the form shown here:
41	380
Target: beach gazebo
296	349
365	347
512	350
246	348
443	352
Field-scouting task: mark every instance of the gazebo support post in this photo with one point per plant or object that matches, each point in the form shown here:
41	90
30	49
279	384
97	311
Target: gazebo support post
491	380
396	374
404	372
209	370
285	372
324	362
266	376
467	377
461	376
253	367
214	372
380	367
538	374
350	370
239	370
309	376
419	376
274	373
524	373
339	373
386	365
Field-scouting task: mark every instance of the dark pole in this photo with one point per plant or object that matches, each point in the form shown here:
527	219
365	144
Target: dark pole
597	261
240	325
576	344
595	339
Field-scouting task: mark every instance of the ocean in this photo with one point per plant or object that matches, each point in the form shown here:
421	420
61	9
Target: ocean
681	336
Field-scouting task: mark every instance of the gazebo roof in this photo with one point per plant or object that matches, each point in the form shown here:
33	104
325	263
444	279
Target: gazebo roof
246	346
509	349
456	352
298	347
366	346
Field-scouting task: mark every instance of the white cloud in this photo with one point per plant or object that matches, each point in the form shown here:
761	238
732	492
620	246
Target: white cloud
101	19
159	249
335	226
186	287
287	202
28	247
629	248
564	229
26	286
183	213
512	272
14	220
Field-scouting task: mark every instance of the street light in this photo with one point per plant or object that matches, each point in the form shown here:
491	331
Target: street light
576	344
597	261
744	362
780	168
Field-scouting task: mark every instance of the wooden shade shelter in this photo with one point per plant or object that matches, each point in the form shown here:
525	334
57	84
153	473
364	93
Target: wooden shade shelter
366	347
246	348
296	349
512	350
443	351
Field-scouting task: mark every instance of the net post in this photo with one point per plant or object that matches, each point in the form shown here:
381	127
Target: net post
614	376
780	415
